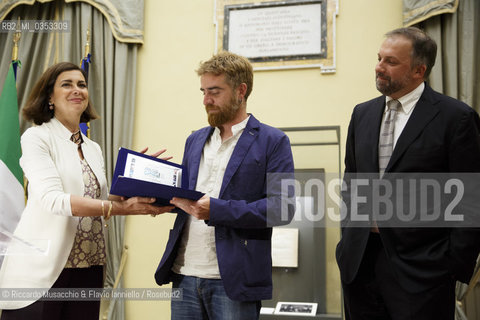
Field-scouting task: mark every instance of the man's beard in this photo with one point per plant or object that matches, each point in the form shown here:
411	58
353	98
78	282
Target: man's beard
391	86
227	113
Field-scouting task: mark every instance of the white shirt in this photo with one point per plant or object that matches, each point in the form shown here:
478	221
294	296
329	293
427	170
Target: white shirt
408	102
197	254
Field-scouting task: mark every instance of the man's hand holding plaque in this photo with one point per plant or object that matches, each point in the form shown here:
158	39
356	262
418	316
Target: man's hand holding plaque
138	174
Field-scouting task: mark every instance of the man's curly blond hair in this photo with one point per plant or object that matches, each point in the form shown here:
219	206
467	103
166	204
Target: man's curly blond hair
237	69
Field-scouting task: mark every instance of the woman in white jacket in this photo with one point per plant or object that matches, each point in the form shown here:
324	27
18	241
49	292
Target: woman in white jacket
67	194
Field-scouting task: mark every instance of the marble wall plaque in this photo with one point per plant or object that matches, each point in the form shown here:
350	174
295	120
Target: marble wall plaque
277	31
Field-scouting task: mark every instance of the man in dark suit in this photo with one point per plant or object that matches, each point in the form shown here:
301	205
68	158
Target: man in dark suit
219	250
407	273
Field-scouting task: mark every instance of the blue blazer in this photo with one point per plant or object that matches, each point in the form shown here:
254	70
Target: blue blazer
240	216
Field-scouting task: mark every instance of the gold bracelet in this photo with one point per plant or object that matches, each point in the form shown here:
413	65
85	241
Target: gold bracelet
109	210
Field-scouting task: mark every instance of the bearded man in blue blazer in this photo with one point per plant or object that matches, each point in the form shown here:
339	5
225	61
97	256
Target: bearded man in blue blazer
400	272
219	250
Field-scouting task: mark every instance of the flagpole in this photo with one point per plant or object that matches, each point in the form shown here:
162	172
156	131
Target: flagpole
87	44
84	64
16	38
86	56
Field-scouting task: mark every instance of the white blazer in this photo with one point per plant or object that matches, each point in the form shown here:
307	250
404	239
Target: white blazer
52	166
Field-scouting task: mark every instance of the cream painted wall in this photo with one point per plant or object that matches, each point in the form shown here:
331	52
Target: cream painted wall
180	34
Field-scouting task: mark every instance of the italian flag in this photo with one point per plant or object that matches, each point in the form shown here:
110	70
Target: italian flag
12	200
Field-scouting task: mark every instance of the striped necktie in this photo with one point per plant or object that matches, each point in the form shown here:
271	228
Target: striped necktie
385	143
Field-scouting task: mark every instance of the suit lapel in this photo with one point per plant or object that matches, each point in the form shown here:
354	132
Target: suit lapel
196	155
374	123
423	113
246	139
369	130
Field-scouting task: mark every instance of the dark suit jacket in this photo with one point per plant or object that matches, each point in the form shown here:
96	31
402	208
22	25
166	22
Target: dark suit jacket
441	135
242	216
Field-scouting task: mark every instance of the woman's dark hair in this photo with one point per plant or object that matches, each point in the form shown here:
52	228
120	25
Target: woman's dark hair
37	109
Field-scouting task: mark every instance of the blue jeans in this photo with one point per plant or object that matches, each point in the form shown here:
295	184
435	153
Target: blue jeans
205	299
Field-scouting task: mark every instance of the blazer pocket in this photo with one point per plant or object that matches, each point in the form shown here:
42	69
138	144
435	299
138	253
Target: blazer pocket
428	159
428	152
257	262
252	166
